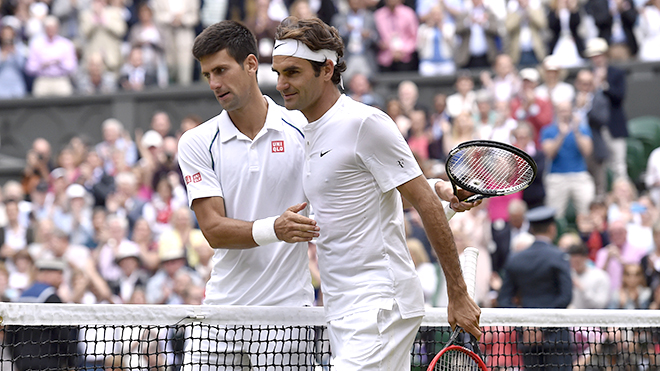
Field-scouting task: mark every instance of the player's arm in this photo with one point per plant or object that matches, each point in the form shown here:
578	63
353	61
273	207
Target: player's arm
223	232
462	310
445	191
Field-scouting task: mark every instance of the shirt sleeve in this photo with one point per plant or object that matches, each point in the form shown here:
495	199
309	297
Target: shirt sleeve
198	167
385	152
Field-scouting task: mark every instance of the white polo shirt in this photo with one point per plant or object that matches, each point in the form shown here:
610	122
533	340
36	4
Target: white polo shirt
257	179
355	159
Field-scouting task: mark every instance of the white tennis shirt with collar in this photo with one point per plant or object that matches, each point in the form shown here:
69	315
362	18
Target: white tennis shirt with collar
257	179
355	159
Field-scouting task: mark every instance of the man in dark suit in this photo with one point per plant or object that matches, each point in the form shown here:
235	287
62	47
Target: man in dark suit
540	277
612	82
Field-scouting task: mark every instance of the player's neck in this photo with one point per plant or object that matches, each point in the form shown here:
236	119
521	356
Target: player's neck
328	99
251	118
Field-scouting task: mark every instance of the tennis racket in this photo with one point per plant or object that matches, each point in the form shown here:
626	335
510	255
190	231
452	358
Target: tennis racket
462	350
488	168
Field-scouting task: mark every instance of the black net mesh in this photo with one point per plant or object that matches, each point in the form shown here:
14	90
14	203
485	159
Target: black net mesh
199	346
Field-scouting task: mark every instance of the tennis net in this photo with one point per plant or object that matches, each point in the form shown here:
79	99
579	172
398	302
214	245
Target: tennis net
158	337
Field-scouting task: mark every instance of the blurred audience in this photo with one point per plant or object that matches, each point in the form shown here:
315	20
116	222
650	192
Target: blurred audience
397	26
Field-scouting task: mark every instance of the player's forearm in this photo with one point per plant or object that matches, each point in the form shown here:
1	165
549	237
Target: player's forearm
229	234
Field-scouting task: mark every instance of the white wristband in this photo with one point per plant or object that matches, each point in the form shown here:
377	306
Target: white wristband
432	183
263	231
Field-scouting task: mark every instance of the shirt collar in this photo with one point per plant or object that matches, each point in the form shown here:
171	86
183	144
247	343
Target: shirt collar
227	129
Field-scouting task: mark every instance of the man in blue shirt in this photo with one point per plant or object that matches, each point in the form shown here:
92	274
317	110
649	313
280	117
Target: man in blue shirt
567	144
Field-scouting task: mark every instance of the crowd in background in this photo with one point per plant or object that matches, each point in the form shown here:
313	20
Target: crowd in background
64	47
117	211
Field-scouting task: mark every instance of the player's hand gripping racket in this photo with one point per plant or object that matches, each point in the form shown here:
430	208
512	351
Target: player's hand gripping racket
462	350
488	168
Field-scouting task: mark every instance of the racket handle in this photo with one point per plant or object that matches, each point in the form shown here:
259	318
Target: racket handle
449	212
469	267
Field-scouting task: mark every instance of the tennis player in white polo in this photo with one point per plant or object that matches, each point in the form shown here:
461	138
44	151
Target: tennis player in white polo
357	166
243	173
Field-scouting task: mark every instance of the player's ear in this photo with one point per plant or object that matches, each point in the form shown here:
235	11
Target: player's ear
328	70
251	63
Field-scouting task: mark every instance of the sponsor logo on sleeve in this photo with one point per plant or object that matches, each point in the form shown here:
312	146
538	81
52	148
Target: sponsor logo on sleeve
277	146
195	178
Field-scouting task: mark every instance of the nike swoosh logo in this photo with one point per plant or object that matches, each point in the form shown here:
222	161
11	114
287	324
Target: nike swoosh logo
277	46
325	153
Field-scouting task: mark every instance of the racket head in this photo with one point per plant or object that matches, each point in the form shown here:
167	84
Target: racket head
489	168
456	357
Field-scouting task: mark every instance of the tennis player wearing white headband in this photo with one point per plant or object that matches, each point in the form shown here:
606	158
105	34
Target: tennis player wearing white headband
357	166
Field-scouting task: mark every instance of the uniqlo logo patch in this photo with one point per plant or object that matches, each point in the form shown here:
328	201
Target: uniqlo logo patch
277	146
188	179
197	178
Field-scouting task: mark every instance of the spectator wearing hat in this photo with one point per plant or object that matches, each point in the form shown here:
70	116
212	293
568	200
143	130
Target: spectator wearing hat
132	274
106	255
528	105
75	219
539	277
13	55
554	88
26	343
52	60
616	21
612	81
525	23
567	144
591	285
160	288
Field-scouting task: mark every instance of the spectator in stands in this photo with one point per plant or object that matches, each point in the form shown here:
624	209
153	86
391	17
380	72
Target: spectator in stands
13	55
26	344
527	105
591	285
161	123
554	88
397	26
182	232
408	94
301	9
525	23
14	236
651	262
505	84
12	190
592	104
464	98
160	288
144	239
439	119
652	176
94	78
21	275
435	44
633	293
565	43
52	60
612	81
360	89
504	232
40	208
649	31
615	21
484	116
619	252
177	20
539	277
418	138
75	218
67	12
592	227
460	131
190	121
357	28
640	228
158	211
478	29
132	274
124	200
567	144
147	36
103	28
115	139
135	74
117	229
620	200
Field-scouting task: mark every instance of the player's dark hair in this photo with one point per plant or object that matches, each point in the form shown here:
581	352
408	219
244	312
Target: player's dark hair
317	35
233	36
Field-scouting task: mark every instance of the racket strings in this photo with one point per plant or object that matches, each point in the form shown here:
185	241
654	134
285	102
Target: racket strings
456	360
488	169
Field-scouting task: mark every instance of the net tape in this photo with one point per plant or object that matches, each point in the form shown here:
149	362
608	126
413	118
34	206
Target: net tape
490	170
114	337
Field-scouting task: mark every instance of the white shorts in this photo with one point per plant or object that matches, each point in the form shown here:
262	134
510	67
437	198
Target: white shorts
374	340
212	348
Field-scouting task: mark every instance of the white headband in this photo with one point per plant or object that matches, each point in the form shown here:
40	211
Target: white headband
295	48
